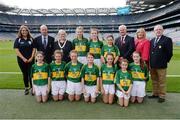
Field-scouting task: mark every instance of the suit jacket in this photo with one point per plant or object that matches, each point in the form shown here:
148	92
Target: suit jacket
48	52
127	48
66	50
161	54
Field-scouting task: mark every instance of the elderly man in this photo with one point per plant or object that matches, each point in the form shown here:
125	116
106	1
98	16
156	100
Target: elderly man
125	43
160	54
45	43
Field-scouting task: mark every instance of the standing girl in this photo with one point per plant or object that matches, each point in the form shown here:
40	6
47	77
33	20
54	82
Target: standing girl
140	75
95	46
90	79
72	72
123	82
110	48
107	79
80	44
58	83
40	78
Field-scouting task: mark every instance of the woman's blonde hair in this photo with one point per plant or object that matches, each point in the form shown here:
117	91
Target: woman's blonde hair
58	34
20	34
141	30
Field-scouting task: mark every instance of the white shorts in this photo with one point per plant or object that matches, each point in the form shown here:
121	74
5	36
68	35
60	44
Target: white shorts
58	87
138	89
90	91
73	88
97	62
122	95
109	89
82	59
41	90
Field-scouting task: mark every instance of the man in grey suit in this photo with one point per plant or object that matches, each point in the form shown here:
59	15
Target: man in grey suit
161	51
45	43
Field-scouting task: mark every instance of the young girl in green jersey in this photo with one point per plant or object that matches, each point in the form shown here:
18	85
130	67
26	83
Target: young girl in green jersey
110	48
90	79
123	82
72	73
140	74
107	79
40	78
58	83
95	46
80	44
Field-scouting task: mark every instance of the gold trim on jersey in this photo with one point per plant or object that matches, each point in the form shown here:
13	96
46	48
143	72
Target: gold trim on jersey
106	76
58	74
73	74
80	48
138	75
125	82
95	50
40	75
90	77
114	54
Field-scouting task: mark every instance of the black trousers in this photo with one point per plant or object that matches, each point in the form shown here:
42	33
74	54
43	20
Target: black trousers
26	71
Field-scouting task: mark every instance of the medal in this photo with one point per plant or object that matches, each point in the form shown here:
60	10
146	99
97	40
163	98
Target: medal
160	47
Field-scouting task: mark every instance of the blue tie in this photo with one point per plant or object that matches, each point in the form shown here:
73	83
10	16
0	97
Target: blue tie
156	41
44	42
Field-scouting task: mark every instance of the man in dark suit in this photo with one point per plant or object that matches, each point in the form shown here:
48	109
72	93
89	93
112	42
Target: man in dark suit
45	43
125	43
161	51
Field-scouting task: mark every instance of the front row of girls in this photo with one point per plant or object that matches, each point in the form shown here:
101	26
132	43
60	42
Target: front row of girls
74	78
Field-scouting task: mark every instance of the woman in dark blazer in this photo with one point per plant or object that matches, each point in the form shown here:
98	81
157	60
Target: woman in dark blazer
62	44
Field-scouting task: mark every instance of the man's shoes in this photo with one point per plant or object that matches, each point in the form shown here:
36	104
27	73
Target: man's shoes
153	96
161	100
26	91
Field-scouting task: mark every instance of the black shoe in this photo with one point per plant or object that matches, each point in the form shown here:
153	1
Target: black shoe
26	91
153	96
161	100
31	91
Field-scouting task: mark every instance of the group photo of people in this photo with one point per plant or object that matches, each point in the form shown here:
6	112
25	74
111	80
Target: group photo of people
117	69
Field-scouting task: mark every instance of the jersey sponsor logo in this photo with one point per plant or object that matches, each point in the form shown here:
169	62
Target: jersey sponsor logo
40	75
95	50
80	48
138	75
108	76
89	77
125	82
114	54
73	74
58	74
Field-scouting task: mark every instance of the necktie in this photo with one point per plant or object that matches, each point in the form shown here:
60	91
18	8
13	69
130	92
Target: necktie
122	40
156	41
44	42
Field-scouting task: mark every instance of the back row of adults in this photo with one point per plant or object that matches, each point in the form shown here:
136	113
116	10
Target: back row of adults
156	53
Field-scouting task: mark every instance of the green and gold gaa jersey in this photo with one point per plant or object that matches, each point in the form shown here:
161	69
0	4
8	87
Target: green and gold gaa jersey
95	48
57	71
90	75
137	73
81	46
110	49
124	79
72	71
40	74
107	74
